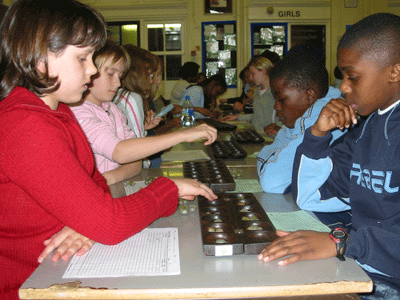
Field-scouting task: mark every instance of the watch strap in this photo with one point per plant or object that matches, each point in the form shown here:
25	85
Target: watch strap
339	237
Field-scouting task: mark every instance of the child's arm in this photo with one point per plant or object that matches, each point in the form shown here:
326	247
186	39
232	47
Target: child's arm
123	172
313	163
168	126
59	178
138	148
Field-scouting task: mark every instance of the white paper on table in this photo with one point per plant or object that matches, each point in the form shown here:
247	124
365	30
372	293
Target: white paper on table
186	155
296	220
151	252
247	186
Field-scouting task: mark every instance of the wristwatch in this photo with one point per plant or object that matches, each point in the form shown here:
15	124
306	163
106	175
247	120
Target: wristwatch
339	236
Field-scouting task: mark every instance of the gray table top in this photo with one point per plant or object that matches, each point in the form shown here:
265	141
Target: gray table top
205	277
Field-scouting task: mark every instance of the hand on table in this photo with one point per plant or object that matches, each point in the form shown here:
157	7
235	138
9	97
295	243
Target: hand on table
67	242
230	118
151	122
189	188
201	132
271	129
299	245
336	114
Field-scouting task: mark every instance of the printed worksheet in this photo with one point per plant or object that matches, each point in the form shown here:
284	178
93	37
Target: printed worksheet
296	220
151	252
247	186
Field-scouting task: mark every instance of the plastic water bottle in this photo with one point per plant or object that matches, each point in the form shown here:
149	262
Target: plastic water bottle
187	117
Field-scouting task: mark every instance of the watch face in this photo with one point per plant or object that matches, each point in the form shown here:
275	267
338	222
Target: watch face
339	234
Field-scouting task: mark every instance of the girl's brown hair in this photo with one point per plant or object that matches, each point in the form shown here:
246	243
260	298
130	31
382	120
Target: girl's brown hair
31	28
137	79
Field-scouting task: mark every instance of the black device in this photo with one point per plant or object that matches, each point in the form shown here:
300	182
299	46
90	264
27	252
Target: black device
339	236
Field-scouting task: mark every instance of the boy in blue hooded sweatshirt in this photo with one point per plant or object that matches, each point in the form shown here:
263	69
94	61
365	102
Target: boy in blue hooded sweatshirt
364	168
300	86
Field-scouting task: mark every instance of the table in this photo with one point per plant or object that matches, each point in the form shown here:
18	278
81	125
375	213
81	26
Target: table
206	277
249	161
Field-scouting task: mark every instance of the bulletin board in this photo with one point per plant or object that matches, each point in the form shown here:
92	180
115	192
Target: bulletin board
219	45
269	36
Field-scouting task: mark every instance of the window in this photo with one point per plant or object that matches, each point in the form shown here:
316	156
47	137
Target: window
165	41
124	32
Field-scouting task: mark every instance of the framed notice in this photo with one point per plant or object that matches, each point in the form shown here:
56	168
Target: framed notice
218	6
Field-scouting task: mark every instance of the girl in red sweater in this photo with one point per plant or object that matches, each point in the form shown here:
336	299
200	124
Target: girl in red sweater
48	178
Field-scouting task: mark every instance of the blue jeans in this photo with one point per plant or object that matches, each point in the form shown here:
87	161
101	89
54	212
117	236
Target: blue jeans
381	292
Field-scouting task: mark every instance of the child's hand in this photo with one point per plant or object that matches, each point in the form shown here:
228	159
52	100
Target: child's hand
299	245
271	129
230	118
238	106
222	100
67	242
151	122
336	114
201	132
189	188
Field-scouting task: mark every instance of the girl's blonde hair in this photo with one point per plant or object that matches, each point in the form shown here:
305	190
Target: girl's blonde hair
111	49
261	63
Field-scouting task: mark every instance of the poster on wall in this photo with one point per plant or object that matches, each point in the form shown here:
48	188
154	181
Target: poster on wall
218	6
219	50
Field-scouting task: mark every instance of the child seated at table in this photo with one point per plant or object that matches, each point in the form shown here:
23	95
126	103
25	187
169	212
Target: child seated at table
263	116
117	150
300	86
136	95
48	175
204	96
364	169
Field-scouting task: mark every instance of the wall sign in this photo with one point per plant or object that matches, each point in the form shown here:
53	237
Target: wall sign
289	13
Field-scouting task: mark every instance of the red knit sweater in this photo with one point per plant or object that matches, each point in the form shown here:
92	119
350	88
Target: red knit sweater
48	179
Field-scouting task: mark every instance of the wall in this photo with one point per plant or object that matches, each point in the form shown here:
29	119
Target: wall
342	16
330	12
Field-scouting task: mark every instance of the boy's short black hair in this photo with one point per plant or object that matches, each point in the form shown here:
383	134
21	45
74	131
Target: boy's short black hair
189	70
271	55
302	71
377	36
